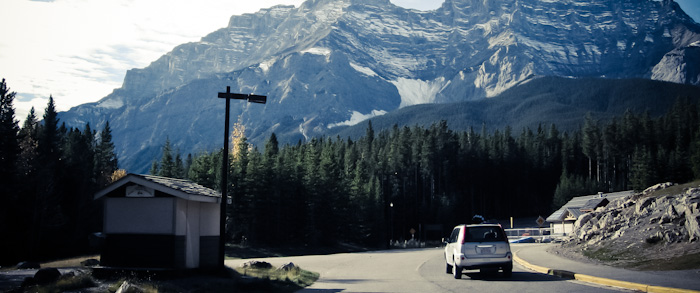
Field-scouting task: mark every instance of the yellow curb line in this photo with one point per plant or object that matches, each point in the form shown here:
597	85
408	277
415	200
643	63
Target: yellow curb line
528	265
604	281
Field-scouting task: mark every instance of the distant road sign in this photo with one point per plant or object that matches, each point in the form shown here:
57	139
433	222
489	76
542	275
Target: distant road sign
540	221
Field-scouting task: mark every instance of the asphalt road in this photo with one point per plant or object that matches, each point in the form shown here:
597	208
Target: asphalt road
419	270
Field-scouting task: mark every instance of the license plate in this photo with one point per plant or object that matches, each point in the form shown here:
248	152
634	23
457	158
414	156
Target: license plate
486	249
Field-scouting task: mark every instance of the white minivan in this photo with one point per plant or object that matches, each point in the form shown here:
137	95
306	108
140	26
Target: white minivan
481	246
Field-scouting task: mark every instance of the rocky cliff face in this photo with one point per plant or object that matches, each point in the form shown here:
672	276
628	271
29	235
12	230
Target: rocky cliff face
334	62
662	223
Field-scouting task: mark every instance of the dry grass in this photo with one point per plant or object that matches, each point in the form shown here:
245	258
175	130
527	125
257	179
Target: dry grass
673	190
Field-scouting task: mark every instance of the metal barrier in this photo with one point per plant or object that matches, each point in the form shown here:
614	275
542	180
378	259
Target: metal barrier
538	234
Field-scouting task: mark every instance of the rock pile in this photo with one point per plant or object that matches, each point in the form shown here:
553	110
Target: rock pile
254	264
671	218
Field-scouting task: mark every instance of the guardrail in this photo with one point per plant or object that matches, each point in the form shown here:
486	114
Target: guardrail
537	234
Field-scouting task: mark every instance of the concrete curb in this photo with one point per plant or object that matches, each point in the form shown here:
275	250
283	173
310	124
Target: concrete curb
598	280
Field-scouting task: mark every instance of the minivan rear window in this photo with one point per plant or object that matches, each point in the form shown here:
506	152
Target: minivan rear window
484	234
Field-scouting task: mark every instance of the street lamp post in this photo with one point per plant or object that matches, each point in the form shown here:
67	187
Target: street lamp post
224	166
391	221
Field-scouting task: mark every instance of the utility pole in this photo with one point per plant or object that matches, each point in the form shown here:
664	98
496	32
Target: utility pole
224	166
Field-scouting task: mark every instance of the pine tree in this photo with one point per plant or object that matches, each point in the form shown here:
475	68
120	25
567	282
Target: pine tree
105	158
48	195
9	155
642	172
206	170
179	167
591	144
29	144
9	142
695	154
167	162
49	138
188	164
155	169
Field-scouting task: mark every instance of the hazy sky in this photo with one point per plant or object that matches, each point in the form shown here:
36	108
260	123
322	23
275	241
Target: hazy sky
79	50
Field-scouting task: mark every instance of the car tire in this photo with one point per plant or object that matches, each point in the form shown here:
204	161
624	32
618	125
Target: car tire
448	267
456	271
508	271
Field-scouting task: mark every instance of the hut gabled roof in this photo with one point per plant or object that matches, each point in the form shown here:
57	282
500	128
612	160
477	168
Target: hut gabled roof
180	188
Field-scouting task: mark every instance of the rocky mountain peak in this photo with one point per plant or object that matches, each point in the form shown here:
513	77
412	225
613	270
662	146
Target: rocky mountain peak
328	62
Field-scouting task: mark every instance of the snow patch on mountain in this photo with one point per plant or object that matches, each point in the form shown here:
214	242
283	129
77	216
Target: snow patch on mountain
358	117
417	91
265	65
317	51
364	70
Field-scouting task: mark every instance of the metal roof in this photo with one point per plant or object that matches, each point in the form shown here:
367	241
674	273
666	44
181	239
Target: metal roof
181	188
592	204
577	203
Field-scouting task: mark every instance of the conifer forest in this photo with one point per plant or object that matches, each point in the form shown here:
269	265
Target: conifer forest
329	190
48	176
384	184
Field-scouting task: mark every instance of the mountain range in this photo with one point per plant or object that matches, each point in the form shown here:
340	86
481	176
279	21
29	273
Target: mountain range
328	64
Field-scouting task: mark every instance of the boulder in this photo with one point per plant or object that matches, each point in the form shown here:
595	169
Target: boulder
287	267
653	239
657	187
47	276
582	220
642	207
127	287
254	264
692	225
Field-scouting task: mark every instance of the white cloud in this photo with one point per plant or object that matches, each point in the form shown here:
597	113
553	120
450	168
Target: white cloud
79	50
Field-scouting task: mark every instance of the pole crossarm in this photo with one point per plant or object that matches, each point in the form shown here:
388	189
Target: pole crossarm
250	97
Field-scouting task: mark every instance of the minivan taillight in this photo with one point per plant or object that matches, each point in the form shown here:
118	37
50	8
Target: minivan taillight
464	235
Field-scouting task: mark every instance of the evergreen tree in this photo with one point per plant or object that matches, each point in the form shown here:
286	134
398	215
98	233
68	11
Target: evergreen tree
48	214
155	169
9	142
591	144
179	167
105	158
642	172
49	135
188	164
206	170
167	162
695	154
9	155
29	144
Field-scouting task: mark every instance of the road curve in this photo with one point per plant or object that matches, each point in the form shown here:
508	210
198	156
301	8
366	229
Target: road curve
418	270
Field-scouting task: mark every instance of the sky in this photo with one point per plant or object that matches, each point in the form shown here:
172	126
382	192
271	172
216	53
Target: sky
78	51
